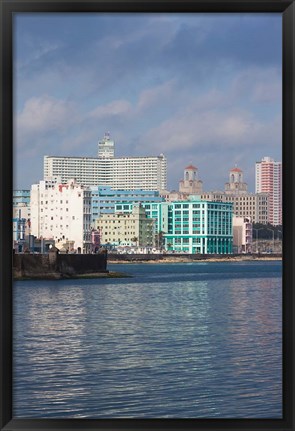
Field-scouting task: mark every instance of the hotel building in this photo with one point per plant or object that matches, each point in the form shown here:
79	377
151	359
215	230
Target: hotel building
253	206
268	179
245	204
190	183
129	173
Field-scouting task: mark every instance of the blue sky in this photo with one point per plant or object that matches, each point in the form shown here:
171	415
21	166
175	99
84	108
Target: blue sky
200	88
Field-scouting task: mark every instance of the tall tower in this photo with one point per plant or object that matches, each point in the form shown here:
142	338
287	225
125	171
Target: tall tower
190	183
268	179
106	147
236	183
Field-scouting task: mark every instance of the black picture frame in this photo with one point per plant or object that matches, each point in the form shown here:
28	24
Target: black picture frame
10	7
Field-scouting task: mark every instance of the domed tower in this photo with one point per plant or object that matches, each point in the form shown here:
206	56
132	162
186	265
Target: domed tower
190	183
236	183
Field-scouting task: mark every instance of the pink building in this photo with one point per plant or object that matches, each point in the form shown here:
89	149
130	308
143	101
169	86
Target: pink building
268	179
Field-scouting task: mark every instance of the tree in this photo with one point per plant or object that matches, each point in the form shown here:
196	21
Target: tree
134	239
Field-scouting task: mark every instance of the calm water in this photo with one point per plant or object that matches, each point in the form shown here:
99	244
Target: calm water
200	340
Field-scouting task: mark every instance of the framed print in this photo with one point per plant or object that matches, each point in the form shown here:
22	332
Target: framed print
147	164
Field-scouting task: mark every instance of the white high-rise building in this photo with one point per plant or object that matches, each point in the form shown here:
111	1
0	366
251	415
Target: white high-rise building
106	147
268	179
121	173
62	212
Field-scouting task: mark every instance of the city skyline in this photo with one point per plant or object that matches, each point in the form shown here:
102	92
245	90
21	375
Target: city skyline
177	84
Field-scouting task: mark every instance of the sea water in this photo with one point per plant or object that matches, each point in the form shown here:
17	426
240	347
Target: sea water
193	340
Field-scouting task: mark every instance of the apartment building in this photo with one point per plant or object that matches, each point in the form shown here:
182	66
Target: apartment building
62	211
126	229
129	173
268	179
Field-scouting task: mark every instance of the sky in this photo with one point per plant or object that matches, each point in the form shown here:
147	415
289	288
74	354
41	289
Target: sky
203	89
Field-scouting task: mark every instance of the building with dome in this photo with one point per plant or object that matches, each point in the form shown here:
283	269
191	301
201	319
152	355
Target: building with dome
190	185
236	183
253	206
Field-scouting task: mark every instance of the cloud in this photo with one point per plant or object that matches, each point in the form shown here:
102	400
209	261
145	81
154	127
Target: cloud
45	114
259	84
154	95
114	108
228	129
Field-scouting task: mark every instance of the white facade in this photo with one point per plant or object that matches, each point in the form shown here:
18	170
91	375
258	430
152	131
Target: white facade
106	147
242	234
124	173
268	179
61	212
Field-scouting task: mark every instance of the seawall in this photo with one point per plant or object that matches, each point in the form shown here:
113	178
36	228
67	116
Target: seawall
54	265
166	258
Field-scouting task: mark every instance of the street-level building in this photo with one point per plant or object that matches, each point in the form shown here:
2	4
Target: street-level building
126	228
21	209
123	173
18	233
192	226
62	211
242	235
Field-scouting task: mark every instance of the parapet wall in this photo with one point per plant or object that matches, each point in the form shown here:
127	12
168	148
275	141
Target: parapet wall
54	265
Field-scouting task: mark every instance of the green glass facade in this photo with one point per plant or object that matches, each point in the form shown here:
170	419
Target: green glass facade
192	226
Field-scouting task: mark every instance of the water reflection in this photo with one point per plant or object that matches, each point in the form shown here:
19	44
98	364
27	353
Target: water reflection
184	348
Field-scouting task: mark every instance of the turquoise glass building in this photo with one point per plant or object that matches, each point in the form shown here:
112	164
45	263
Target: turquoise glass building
104	199
197	226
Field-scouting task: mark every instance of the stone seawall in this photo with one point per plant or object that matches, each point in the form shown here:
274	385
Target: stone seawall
54	265
117	258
